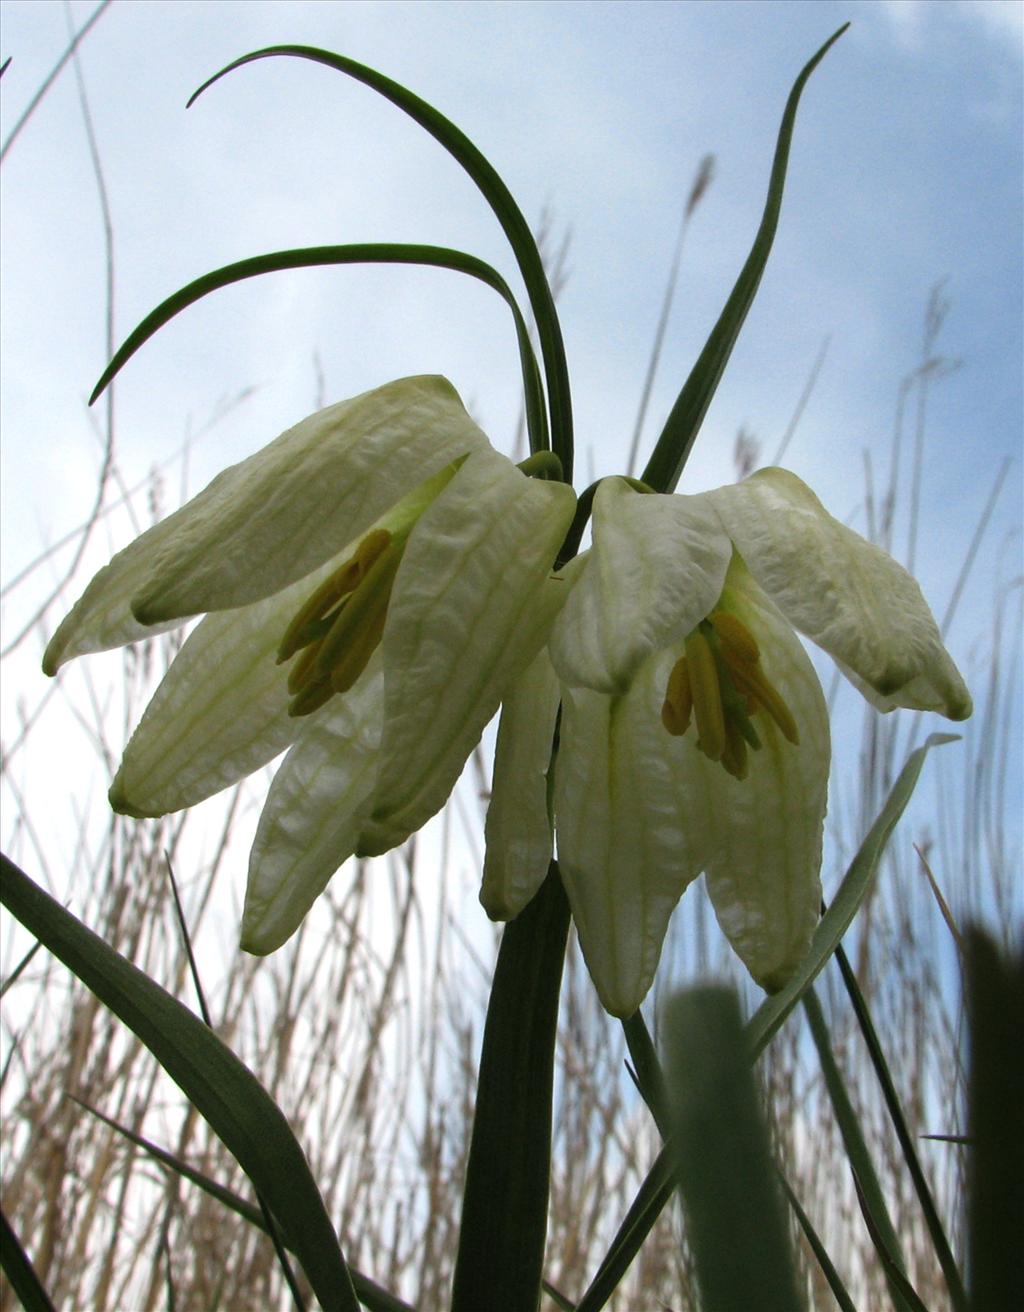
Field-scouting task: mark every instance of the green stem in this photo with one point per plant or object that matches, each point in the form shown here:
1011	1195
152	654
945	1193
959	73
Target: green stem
505	1204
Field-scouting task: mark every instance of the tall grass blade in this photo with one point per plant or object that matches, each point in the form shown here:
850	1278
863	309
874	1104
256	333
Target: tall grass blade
652	1196
505	1202
12	978
52	76
369	1293
313	257
19	1270
650	1079
869	1191
835	1283
223	1090
270	1225
497	195
936	1230
736	1225
677	437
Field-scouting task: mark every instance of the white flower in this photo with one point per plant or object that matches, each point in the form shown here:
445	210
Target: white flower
375	577
694	734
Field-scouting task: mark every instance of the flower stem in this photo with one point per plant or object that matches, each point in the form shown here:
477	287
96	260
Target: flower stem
505	1204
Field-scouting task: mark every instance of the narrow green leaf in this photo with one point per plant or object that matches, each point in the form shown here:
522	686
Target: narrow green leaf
736	1226
18	1269
12	978
936	1230
772	1013
505	1203
312	257
876	1214
654	1193
371	1295
676	441
650	1078
904	1295
557	1297
222	1089
828	1270
497	195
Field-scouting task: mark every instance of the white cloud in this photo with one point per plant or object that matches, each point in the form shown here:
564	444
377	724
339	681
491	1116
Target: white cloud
1003	20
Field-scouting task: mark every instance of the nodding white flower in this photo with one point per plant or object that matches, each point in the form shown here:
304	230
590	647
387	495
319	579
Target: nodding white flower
694	735
374	579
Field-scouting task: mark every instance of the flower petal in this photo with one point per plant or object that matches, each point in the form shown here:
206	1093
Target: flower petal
627	844
314	811
655	570
518	827
842	591
467	615
273	518
221	710
766	830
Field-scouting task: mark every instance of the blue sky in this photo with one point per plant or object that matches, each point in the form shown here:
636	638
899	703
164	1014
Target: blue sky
905	170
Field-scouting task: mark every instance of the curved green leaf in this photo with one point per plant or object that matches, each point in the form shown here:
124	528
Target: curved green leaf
312	257
220	1086
677	437
497	195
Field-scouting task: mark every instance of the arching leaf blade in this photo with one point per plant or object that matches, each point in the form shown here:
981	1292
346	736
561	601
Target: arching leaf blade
497	195
677	437
311	257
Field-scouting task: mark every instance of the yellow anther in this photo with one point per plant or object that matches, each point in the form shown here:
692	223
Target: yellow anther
751	681
721	683
308	624
734	757
310	698
357	655
678	704
738	643
338	645
707	695
359	611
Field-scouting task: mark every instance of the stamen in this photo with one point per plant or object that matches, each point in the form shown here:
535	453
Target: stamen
707	696
737	641
751	681
374	591
364	644
678	704
301	672
314	695
721	683
734	757
307	625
